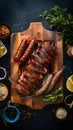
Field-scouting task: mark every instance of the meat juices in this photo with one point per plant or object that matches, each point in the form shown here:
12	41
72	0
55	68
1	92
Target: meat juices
35	70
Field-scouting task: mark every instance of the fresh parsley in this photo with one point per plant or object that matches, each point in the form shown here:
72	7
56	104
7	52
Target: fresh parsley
60	20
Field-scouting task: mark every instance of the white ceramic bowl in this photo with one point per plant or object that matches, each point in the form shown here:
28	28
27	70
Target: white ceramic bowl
61	113
3	73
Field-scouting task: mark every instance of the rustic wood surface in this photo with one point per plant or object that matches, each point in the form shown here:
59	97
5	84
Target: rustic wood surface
37	30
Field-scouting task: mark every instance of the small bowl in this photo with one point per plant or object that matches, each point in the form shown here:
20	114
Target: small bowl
61	113
3	73
5	31
68	100
3	92
11	114
69	83
3	49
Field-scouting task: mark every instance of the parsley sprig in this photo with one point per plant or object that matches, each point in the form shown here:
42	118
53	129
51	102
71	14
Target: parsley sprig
60	20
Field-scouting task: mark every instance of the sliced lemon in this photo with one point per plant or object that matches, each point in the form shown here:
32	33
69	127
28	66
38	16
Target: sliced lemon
2	50
69	83
72	50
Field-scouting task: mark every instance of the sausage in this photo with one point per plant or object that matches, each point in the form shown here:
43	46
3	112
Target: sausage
20	50
55	79
28	51
45	86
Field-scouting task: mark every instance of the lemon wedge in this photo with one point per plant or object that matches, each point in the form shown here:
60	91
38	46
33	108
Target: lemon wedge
69	83
72	50
2	50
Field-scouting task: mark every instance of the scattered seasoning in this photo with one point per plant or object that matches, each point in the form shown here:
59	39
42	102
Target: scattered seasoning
29	115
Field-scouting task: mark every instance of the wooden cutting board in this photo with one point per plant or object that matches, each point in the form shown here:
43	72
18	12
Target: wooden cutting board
34	29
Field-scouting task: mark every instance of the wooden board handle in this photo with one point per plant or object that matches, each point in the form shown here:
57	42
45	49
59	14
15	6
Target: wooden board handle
35	30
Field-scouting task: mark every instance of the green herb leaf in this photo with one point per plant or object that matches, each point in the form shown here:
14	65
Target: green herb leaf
54	95
62	21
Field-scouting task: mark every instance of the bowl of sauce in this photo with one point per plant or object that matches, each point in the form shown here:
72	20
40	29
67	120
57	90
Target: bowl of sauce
68	100
11	114
4	31
3	73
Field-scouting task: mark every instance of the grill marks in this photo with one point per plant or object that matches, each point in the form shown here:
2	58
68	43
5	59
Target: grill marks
35	70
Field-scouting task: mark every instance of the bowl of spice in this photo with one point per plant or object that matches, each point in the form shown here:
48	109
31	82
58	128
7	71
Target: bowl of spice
3	49
3	92
3	73
4	31
61	113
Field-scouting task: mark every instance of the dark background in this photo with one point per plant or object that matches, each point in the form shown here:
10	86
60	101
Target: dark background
18	14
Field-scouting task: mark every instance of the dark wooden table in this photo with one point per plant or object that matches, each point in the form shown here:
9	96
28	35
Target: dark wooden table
18	14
